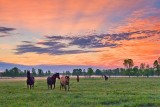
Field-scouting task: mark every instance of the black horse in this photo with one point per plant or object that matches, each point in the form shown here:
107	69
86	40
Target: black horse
52	80
30	80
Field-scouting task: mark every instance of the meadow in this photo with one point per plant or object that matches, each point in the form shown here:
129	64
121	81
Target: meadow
89	92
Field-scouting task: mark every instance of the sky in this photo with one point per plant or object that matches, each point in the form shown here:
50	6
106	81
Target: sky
79	32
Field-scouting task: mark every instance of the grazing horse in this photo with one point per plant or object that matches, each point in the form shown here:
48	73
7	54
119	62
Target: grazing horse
52	80
106	78
30	80
64	81
77	78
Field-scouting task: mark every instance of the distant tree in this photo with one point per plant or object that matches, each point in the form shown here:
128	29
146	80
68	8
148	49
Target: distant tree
84	72
79	71
147	70
151	71
116	71
49	72
34	72
6	73
109	72
63	73
74	72
104	72
136	71
40	72
68	73
25	72
142	67
90	71
46	73
98	72
128	63
14	72
156	65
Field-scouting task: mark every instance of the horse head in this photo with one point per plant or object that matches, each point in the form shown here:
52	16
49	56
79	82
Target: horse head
28	74
67	79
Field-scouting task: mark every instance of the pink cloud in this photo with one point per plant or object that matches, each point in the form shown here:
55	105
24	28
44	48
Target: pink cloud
144	19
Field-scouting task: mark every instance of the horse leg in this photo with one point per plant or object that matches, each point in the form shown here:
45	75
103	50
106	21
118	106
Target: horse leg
30	87
65	87
33	86
51	87
60	86
54	86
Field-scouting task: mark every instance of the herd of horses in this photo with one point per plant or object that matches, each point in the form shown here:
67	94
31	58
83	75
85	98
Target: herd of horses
64	81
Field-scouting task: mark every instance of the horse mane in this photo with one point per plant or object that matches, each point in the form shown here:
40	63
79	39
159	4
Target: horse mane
55	75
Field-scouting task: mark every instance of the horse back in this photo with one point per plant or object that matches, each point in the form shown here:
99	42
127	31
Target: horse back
64	80
50	81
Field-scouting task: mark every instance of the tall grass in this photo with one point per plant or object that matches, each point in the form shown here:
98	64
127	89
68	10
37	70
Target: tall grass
89	92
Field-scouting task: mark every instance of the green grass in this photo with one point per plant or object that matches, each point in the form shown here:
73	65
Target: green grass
116	92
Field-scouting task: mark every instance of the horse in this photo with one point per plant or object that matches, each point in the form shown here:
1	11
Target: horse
52	80
77	78
64	81
106	77
30	80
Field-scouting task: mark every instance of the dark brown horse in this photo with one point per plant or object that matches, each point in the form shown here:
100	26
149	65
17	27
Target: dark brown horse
64	82
77	78
105	77
52	80
30	80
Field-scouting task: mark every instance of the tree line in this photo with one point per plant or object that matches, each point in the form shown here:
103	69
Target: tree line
129	70
16	72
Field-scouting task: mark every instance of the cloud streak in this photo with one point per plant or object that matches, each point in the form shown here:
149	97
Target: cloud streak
5	31
51	50
61	45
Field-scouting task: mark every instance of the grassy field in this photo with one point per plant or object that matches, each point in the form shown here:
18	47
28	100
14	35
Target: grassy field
91	92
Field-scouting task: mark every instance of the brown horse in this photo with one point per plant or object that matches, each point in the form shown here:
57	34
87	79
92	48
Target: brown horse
52	80
30	80
64	81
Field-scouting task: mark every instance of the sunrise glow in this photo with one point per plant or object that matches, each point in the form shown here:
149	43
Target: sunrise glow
79	32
